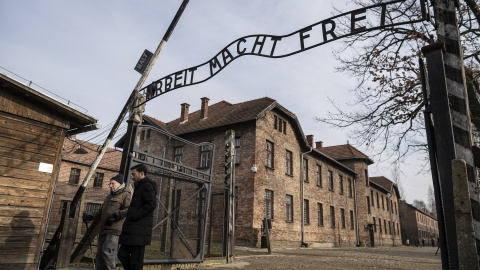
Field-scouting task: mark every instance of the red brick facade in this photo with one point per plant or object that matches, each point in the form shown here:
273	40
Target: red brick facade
67	186
329	207
258	123
417	225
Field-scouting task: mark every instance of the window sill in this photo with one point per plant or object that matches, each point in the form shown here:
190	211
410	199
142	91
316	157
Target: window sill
269	168
290	175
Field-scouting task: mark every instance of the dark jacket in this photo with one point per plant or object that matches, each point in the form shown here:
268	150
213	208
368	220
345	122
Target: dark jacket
116	203
137	229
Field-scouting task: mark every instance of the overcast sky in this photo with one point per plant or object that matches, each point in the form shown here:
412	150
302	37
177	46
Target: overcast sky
85	52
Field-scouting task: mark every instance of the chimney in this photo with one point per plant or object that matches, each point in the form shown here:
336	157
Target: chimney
184	114
310	140
204	111
319	144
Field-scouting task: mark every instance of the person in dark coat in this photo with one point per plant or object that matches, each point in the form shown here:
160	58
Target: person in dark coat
112	215
137	228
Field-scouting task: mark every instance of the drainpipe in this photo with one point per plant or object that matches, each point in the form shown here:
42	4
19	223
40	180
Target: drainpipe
391	218
302	197
356	209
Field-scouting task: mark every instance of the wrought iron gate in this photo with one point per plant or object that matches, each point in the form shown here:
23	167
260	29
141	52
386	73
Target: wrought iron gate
183	172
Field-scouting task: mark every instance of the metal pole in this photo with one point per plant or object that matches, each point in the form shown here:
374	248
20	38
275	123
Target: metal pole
127	105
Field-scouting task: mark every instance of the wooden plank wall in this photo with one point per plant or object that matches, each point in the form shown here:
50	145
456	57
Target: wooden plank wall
25	192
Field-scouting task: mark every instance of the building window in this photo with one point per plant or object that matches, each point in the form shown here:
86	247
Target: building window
320	214
98	181
205	155
178	158
340	183
374	225
342	217
371	196
368	205
268	204
330	180
366	178
279	124
74	176
237	150
63	205
389	228
305	170
200	203
396	208
332	217
351	220
350	188
380	225
388	208
385	226
378	201
92	208
306	212
383	203
289	208
318	173
269	155
147	134
398	229
288	163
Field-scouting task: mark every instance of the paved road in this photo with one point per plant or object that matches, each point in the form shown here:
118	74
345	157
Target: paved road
335	258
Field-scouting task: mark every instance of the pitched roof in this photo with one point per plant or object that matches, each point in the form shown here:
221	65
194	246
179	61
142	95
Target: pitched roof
110	160
221	114
155	122
384	183
344	152
75	118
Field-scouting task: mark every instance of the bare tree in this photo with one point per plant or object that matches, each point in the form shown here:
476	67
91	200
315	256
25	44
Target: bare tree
396	179
420	205
386	114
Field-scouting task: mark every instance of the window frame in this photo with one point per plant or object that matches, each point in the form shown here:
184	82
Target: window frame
340	184
269	154
306	211
269	204
332	216
318	175
289	208
288	163
205	156
74	178
330	181
305	170
96	183
178	154
320	214
342	218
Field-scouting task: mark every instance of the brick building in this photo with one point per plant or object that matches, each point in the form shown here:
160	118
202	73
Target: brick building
312	194
417	224
73	170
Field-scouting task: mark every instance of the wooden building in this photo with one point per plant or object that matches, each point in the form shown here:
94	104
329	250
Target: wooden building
32	131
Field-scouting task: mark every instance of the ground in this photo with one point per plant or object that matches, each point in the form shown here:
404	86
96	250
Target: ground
321	258
336	258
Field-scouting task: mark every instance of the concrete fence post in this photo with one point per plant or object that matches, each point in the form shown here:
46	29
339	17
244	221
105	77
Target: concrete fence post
467	253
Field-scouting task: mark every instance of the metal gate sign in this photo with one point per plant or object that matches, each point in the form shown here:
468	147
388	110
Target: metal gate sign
361	20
